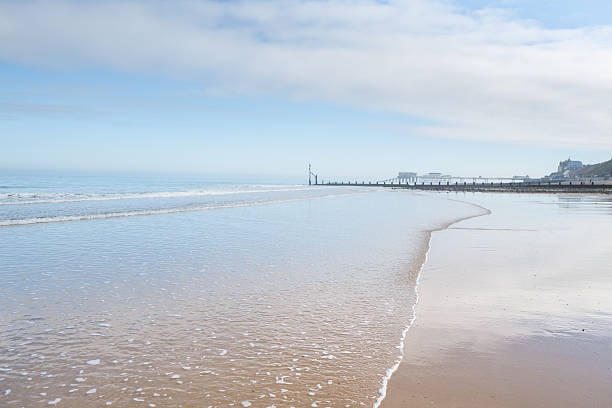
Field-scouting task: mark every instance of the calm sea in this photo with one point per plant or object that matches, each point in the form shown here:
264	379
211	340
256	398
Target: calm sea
144	292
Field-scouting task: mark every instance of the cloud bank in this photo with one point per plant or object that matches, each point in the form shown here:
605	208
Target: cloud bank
481	75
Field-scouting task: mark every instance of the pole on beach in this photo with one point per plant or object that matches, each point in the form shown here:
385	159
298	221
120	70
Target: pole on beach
309	173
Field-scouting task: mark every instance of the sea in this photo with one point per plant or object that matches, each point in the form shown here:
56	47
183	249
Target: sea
150	291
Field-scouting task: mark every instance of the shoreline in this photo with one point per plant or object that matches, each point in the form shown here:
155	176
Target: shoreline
487	335
422	261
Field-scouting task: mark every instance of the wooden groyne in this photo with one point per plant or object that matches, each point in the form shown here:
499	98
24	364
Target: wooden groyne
523	187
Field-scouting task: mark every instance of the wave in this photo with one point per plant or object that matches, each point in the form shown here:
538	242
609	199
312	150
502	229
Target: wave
52	198
121	214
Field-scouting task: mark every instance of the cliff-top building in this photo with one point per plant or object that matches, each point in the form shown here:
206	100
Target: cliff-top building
569	165
566	169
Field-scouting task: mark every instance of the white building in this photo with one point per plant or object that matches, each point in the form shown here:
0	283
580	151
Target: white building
406	176
569	165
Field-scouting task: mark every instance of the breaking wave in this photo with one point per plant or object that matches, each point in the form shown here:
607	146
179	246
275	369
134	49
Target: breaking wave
51	198
121	214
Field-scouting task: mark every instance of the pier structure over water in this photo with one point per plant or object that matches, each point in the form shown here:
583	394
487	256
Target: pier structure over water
436	178
440	182
501	186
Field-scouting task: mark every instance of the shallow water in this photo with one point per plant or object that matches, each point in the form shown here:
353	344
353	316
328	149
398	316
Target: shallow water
296	297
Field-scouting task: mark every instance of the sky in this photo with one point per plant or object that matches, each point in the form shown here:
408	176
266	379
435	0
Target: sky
361	89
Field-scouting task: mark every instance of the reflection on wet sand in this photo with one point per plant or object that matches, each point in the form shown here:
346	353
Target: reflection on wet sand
514	309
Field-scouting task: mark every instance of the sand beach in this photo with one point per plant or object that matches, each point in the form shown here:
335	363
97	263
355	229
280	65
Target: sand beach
514	309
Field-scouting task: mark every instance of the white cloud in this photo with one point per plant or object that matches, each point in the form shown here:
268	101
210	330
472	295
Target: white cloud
478	76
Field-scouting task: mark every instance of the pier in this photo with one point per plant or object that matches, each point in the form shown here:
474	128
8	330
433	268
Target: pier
600	187
516	184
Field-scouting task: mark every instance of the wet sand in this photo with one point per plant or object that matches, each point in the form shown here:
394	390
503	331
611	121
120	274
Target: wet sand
515	309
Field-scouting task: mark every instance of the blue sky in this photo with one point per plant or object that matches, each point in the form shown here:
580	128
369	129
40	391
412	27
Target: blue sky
361	90
552	13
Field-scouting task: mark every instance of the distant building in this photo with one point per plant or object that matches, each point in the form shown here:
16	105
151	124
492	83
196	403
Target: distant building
567	169
407	176
569	165
433	175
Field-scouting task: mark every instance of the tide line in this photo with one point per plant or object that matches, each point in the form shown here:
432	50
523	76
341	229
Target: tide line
393	369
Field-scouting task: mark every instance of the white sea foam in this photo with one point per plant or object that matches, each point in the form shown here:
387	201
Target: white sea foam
390	371
50	198
281	380
121	214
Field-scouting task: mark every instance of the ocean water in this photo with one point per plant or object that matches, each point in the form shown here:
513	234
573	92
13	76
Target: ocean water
119	291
